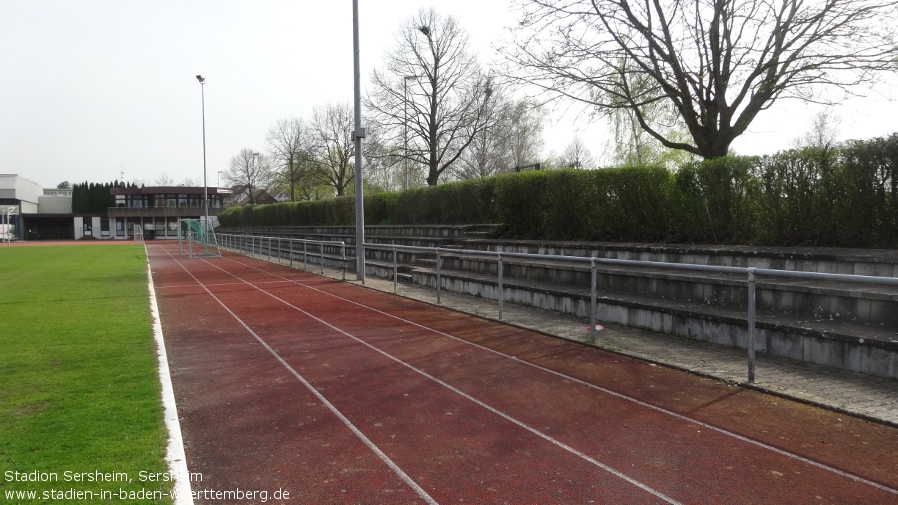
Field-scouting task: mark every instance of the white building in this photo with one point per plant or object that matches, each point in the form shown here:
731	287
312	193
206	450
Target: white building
18	196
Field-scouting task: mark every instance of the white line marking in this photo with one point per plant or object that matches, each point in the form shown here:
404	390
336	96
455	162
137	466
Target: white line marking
461	393
380	454
174	453
757	443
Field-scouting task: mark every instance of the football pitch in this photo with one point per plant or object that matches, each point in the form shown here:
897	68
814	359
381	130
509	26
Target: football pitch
80	413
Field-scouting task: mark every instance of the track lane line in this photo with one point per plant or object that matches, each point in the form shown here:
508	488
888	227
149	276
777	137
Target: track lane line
358	433
461	393
682	417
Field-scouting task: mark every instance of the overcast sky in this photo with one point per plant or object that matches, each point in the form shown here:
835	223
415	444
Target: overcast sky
92	89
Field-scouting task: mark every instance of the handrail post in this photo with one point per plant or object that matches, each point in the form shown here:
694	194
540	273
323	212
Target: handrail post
305	256
321	248
439	278
592	299
343	257
751	324
290	241
269	248
395	269
501	287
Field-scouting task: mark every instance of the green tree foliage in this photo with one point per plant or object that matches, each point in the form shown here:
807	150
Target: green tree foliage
94	198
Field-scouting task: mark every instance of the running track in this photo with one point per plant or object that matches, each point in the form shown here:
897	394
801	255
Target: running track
338	394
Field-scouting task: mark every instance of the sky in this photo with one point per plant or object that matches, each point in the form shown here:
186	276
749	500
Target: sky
103	90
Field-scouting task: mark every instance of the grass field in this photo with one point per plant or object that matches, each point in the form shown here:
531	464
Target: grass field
80	406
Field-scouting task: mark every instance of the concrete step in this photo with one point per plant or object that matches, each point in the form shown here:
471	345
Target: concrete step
839	301
866	348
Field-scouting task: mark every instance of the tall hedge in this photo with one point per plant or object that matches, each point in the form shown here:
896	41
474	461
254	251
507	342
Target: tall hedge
843	196
94	198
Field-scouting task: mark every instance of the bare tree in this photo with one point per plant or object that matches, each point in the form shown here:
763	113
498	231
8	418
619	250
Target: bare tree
824	131
288	144
164	179
250	172
384	170
332	148
443	104
512	138
524	124
716	63
577	155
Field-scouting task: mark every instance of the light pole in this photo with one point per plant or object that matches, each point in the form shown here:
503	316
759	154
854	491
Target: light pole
252	175
358	135
205	185
405	122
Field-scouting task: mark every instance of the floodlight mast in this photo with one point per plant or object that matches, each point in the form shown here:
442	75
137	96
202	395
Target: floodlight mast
205	185
358	134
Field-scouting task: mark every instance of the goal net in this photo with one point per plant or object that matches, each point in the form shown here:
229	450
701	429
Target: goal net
199	236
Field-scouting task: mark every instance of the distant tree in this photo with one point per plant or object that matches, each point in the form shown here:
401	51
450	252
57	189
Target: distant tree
250	172
524	125
331	147
824	131
164	179
716	63
577	155
512	138
64	185
288	142
384	163
444	104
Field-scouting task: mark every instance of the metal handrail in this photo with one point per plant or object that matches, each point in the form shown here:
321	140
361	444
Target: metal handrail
750	273
235	242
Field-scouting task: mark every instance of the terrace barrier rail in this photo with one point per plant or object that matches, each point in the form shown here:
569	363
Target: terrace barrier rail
284	248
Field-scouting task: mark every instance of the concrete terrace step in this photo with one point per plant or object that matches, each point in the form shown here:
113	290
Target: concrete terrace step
871	349
812	298
875	262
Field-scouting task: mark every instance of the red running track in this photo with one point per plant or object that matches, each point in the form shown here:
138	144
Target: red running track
339	394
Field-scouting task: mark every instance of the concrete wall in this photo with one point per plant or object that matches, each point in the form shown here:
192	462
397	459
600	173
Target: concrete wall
54	205
19	188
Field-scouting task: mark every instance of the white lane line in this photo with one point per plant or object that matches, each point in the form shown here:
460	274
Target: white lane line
461	393
365	440
656	408
174	452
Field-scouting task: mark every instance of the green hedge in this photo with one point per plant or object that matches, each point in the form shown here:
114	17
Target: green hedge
843	196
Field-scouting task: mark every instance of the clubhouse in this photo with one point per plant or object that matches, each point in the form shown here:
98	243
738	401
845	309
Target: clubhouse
36	213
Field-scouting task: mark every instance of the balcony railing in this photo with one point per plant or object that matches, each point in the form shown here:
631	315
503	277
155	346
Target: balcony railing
163	211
